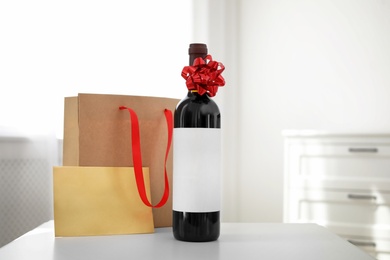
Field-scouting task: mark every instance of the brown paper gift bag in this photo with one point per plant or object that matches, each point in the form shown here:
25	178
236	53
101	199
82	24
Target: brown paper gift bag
97	133
92	201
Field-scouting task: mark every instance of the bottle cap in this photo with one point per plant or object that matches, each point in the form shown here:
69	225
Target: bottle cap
199	48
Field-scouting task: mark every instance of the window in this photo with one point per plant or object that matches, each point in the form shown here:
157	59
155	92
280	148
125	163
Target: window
53	49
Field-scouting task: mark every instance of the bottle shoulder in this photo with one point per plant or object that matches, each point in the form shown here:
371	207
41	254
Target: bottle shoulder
197	111
195	102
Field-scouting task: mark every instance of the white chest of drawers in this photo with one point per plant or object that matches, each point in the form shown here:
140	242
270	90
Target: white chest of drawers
340	181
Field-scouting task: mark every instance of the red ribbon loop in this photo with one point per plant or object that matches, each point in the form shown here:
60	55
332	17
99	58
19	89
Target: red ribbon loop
137	158
204	76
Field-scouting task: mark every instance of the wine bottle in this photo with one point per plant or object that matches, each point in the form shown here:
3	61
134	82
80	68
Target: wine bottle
196	164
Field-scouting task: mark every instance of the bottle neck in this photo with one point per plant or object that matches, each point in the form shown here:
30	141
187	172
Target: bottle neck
193	92
196	50
194	95
193	56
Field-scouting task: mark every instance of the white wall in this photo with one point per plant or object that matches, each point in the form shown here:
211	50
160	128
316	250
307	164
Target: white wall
298	64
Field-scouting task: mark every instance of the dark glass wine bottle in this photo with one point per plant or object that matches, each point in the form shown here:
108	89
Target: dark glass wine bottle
197	169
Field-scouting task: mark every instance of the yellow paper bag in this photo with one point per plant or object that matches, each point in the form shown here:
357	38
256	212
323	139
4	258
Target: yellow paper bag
92	201
97	133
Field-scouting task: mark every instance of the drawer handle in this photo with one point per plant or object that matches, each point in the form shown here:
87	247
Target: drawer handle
363	150
361	243
361	197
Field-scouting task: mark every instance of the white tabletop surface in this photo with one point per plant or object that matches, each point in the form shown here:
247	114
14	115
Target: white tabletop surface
237	241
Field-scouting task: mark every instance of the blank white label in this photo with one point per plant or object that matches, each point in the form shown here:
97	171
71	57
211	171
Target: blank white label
196	169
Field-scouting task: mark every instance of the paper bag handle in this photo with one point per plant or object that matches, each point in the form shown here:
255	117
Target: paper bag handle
137	157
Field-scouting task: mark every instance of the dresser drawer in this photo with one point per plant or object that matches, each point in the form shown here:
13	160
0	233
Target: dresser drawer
350	208
353	165
377	248
340	183
338	166
344	148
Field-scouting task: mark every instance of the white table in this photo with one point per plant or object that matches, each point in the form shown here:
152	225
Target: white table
237	241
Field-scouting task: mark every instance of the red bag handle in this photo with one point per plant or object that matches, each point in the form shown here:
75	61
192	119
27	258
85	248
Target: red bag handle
137	160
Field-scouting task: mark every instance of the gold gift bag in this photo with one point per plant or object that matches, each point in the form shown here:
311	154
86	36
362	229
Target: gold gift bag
99	201
97	133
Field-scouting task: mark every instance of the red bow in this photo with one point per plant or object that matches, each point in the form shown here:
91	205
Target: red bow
203	76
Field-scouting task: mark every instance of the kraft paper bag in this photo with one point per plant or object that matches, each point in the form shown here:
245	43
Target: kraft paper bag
97	133
91	201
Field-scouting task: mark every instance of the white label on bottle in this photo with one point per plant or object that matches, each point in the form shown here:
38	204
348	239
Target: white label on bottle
196	169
